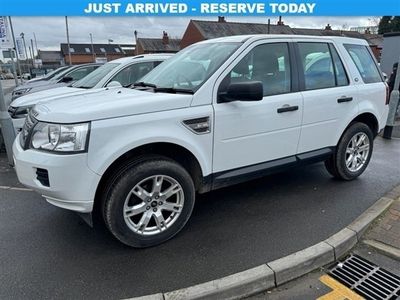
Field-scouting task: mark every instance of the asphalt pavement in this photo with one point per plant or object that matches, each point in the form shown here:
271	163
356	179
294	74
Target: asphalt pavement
48	252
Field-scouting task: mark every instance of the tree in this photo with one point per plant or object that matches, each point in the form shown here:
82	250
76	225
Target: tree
389	24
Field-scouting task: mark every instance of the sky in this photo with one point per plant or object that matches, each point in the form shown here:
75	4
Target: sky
50	31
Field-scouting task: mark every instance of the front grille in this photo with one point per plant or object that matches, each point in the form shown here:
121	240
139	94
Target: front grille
30	122
367	279
42	175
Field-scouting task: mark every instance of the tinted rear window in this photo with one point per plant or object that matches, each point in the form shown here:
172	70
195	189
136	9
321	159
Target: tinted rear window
364	62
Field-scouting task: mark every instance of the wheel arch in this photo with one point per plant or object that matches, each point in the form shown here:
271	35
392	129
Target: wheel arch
175	152
369	119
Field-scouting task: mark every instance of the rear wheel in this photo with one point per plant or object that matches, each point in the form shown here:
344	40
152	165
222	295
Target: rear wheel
353	153
149	202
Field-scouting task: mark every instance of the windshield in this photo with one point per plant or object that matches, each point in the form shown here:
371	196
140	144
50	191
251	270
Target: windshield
55	72
94	77
191	67
62	73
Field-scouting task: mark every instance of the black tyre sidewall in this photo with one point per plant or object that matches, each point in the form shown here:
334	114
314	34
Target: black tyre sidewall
340	159
114	204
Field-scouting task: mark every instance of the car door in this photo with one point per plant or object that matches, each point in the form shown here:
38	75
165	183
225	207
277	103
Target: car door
251	133
329	99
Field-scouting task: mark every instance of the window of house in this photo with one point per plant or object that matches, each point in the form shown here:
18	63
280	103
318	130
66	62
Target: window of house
268	63
117	50
103	50
364	62
87	50
72	50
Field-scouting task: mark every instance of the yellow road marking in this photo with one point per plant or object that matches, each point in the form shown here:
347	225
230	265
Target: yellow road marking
339	291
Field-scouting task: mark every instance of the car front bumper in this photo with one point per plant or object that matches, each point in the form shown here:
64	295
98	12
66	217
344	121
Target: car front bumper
72	185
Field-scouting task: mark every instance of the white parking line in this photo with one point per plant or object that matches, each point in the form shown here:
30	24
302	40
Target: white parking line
14	188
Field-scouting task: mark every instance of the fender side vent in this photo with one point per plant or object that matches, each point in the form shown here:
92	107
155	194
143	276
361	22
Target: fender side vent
367	279
198	125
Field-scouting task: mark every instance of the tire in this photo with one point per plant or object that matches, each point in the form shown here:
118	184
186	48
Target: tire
340	165
136	209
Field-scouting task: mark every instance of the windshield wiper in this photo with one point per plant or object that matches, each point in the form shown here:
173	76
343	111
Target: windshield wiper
172	90
144	84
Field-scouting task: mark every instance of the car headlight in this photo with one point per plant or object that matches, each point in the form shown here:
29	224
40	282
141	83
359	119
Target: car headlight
21	91
21	112
67	138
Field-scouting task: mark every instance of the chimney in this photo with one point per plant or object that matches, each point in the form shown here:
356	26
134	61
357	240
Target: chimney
328	27
165	38
280	22
221	19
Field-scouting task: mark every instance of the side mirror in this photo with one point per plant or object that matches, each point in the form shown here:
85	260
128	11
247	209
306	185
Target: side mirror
114	84
66	79
242	91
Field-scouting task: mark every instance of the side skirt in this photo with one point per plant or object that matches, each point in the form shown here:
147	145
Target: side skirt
235	176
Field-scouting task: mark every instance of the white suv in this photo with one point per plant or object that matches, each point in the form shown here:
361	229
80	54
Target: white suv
219	112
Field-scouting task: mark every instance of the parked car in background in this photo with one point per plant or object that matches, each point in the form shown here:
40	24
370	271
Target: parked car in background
120	72
63	78
50	75
8	76
26	76
219	112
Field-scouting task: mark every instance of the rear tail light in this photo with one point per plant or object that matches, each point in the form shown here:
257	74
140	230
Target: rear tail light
387	94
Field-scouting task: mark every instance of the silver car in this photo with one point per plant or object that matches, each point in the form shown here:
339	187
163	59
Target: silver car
63	78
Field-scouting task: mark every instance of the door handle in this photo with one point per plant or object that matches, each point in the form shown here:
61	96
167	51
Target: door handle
344	99
287	108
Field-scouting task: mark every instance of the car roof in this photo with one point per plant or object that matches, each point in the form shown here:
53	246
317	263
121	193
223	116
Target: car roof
255	37
143	57
85	65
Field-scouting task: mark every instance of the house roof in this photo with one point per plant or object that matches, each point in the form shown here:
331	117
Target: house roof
87	49
215	29
157	45
374	39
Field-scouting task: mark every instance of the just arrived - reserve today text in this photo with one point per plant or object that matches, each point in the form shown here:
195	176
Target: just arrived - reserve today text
205	8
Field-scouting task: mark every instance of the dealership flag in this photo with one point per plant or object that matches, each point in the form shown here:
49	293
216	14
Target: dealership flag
5	36
20	48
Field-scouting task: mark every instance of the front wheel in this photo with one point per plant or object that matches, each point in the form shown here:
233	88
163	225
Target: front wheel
149	202
353	153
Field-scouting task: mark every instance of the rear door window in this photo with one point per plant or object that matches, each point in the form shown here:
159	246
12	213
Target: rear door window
317	65
364	62
321	66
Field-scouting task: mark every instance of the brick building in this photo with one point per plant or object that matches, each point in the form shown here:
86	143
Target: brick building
83	53
157	45
198	30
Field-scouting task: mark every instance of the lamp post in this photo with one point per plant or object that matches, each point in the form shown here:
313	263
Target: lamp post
69	47
91	42
16	52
